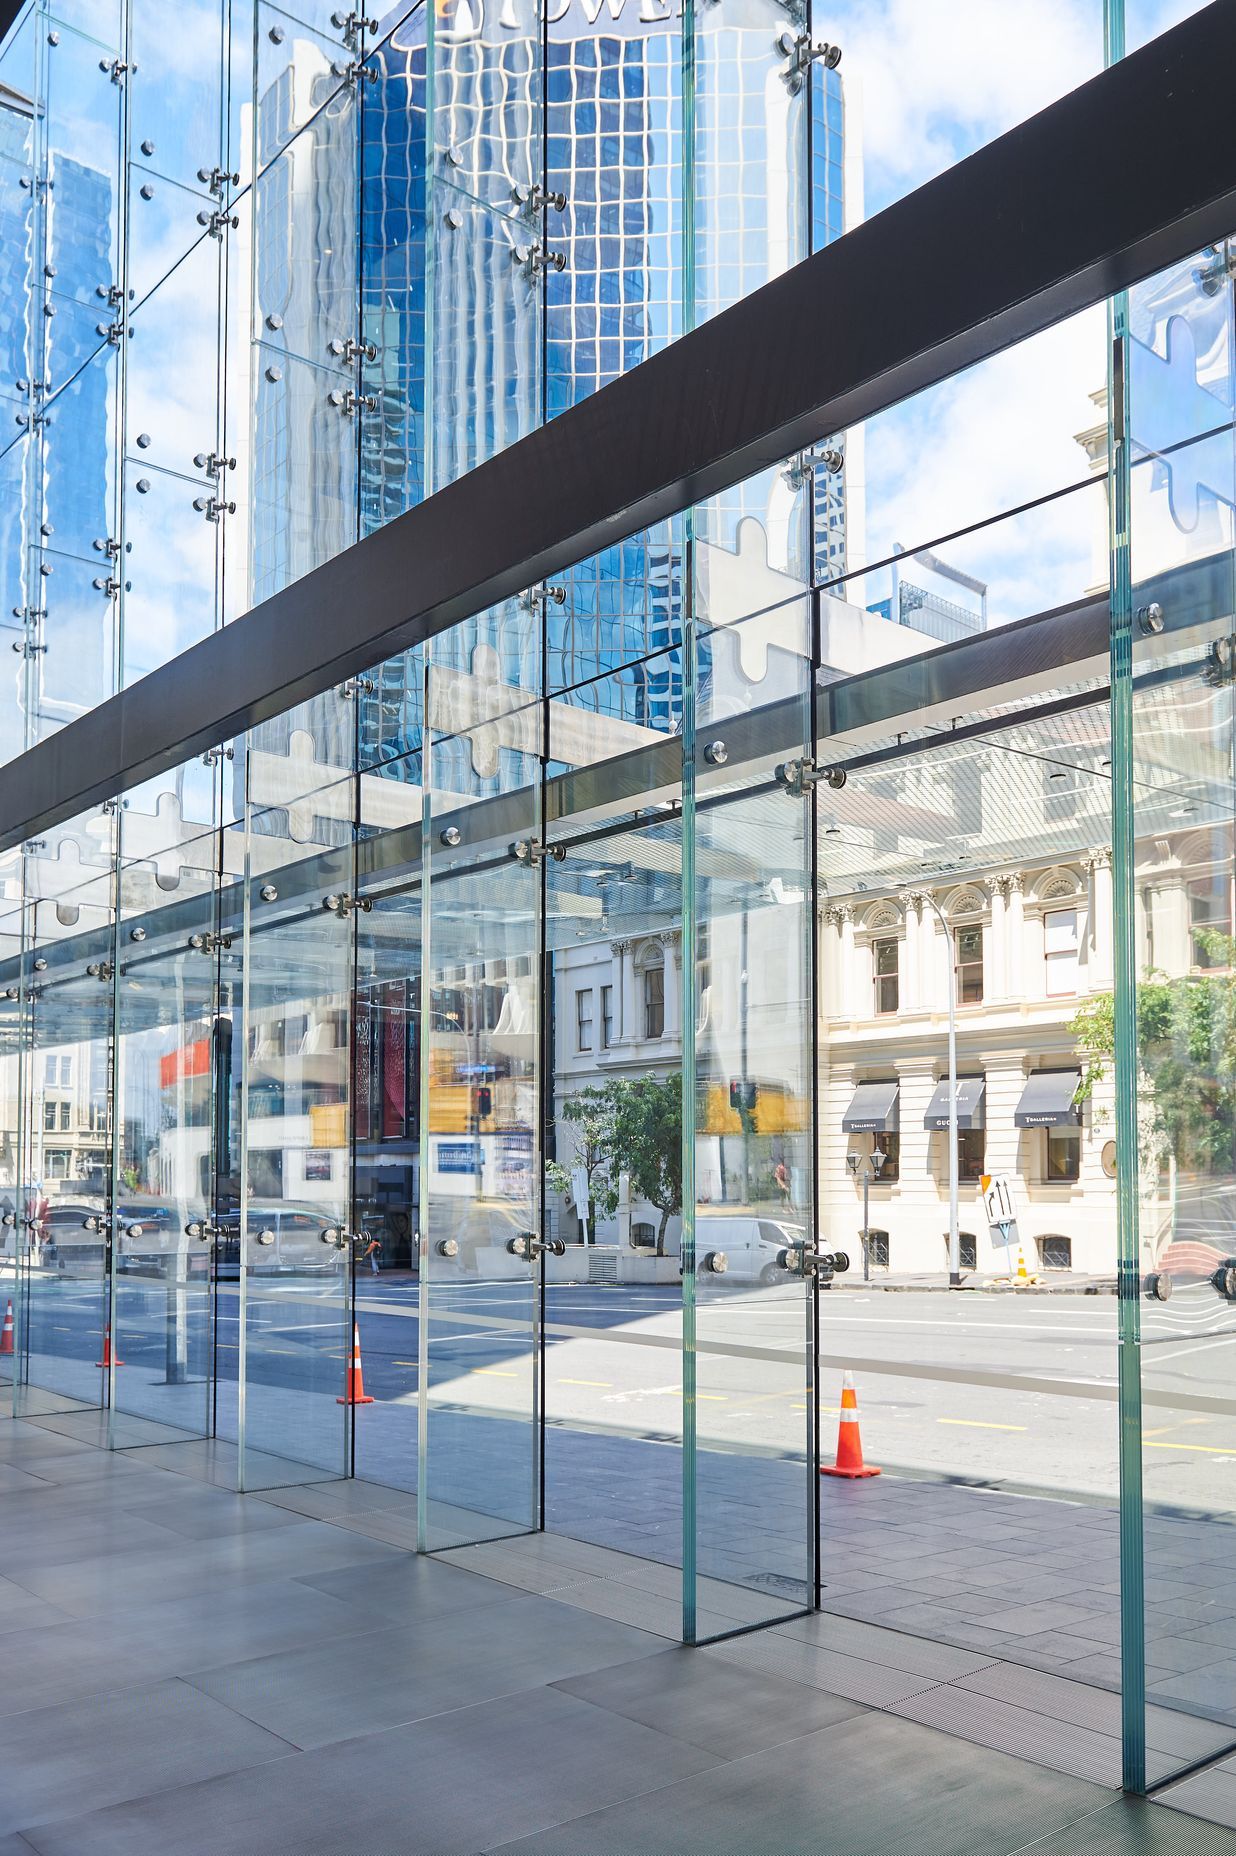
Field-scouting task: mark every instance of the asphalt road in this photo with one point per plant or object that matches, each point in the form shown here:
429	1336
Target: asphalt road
1012	1389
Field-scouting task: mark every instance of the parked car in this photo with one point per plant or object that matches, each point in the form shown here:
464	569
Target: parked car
751	1245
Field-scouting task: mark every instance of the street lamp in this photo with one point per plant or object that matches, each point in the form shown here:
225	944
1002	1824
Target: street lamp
954	1236
873	1168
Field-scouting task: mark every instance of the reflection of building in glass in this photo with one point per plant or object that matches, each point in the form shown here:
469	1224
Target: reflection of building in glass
932	597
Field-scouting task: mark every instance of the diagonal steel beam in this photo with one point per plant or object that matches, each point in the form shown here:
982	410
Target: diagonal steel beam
1127	174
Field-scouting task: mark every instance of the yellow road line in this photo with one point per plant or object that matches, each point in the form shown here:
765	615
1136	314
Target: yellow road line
718	1398
1207	1449
603	1383
977	1424
494	1372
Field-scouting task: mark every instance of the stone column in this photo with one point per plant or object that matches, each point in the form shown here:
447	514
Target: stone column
621	951
911	987
671	941
1016	937
996	947
850	979
1101	963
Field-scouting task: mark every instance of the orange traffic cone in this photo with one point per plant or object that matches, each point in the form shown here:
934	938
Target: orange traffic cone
849	1444
356	1394
107	1359
6	1332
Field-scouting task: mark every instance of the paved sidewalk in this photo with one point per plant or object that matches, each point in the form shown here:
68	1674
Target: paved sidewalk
189	1672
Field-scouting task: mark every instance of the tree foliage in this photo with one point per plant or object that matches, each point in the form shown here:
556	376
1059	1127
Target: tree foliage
630	1125
1186	1051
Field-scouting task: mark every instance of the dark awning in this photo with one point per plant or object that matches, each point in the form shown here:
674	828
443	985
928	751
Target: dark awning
873	1110
1047	1100
971	1104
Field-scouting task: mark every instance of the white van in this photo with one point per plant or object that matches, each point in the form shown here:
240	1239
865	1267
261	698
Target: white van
750	1245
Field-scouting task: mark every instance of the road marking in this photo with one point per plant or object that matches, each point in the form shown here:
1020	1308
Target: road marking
493	1372
1206	1449
718	1398
604	1383
1183	1353
978	1424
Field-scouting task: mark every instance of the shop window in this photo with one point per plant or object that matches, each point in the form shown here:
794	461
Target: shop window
654	1002
877	1248
1063	1153
1060	952
970	966
583	1019
607	1017
1210	921
890	1146
643	1236
885	955
1056	1253
971	1153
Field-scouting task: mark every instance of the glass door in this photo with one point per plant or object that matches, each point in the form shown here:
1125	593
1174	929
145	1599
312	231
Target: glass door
173	1047
295	1233
480	1152
65	1203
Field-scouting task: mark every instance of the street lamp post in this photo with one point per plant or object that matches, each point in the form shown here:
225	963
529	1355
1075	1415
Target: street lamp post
954	1235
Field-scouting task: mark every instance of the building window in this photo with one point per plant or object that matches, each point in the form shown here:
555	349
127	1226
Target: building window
971	1152
607	1017
969	966
49	1116
1056	1253
57	1164
1210	921
1060	951
1063	1153
643	1236
583	1019
890	1146
654	1002
967	1250
66	1111
887	988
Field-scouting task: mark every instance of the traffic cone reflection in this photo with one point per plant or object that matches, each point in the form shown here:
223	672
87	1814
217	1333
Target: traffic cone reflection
107	1359
1022	1275
6	1332
849	1444
355	1394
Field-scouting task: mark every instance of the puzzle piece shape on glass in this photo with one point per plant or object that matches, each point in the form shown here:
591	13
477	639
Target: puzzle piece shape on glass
1168	407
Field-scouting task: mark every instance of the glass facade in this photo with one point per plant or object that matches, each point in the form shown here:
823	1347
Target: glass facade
537	1077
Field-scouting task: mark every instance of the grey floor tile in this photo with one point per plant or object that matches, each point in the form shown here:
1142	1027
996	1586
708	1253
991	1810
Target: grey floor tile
362	1683
1213	1686
20	1610
875	1685
865	1787
1134	1827
81	1755
1181	1653
1210	1794
210	1514
727	1710
412	1586
1059	1745
457	1784
917	1655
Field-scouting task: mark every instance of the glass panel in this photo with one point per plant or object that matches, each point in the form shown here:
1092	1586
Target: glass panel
173	1077
175	95
388	1048
172	367
165	222
487	303
480	1147
305	241
298	71
614	151
15	630
295	1244
74	669
750	107
613	1125
754	1228
303	486
487	101
170	547
78	459
13	1046
1181	390
393	263
83	106
67	1170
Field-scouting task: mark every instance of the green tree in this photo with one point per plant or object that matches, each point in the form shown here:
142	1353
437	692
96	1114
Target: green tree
1186	1050
630	1125
591	1115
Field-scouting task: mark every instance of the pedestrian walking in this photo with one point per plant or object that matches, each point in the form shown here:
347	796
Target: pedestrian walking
371	1253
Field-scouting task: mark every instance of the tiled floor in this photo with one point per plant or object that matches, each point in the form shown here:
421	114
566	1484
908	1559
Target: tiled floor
185	1671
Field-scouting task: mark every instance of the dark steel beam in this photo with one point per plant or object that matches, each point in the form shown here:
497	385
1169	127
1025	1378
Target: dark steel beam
1127	174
